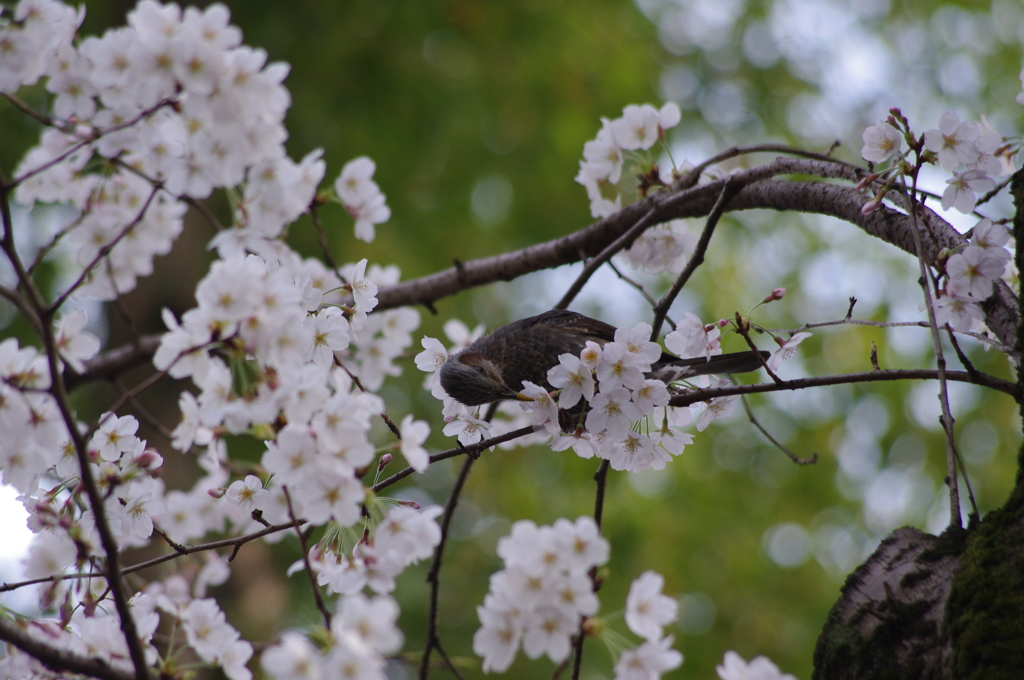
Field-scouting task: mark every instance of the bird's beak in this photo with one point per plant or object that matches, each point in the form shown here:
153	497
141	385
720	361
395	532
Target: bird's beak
512	394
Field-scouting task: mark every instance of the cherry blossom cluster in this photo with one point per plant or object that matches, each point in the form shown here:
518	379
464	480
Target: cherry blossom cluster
974	152
970	275
639	129
404	537
538	598
363	631
278	346
29	418
613	379
733	667
180	107
98	635
544	597
362	197
647	612
126	474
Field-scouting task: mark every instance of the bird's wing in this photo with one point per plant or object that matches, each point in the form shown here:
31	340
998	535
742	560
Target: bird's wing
573	322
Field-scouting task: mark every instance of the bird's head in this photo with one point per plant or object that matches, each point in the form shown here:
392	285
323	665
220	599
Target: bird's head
472	379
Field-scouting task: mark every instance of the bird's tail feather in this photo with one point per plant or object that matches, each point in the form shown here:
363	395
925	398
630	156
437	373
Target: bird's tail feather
736	362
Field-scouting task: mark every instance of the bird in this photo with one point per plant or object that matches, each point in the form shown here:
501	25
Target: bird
494	367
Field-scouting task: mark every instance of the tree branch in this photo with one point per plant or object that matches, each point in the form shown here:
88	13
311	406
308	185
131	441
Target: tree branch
59	660
849	378
434	576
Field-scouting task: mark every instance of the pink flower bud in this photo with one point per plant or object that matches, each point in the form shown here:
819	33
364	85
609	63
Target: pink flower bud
384	461
871	206
217	493
776	294
146	459
863	184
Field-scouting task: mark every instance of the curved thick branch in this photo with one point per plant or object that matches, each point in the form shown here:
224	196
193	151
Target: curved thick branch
760	190
59	660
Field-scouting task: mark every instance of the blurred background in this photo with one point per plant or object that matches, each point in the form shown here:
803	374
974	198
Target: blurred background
476	114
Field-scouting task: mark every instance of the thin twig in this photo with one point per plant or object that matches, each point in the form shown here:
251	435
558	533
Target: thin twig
318	597
434	576
234	543
321	233
940	360
601	477
605	255
59	393
355	380
22	306
779	445
144	413
743	328
985	339
77	147
729	189
635	284
984	380
457	451
448	662
39	117
104	251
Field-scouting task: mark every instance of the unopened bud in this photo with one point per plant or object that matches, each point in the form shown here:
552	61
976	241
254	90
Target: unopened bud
871	206
217	493
743	324
147	458
776	294
384	461
863	184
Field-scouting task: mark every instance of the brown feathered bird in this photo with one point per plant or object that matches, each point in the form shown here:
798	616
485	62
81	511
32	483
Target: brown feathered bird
495	366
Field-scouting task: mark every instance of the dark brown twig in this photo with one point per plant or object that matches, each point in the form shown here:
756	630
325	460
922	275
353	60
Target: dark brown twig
104	251
234	543
318	597
946	419
457	451
601	477
59	393
729	189
779	445
605	255
844	379
434	576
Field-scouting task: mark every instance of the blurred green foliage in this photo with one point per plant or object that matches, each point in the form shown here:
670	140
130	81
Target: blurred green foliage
460	96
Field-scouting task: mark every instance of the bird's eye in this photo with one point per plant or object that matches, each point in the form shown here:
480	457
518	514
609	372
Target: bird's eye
479	369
